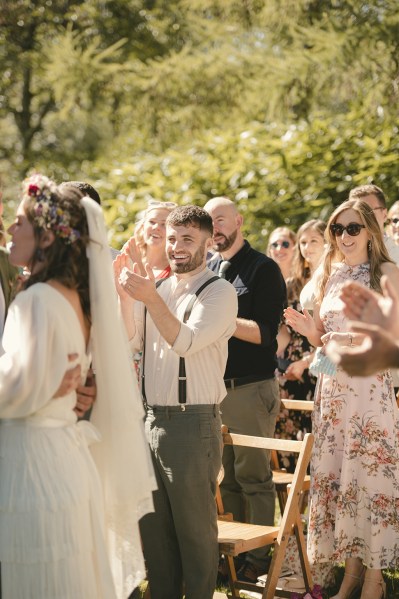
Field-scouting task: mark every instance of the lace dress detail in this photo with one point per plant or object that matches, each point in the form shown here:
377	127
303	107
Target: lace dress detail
355	462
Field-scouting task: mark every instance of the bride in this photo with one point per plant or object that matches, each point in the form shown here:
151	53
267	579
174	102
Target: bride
68	514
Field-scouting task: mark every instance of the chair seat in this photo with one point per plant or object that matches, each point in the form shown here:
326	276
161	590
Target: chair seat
236	537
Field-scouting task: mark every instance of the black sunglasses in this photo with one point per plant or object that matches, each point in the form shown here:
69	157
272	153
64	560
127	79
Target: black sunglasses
395	221
283	244
352	229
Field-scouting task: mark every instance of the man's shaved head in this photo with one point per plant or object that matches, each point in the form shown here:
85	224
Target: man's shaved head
220	202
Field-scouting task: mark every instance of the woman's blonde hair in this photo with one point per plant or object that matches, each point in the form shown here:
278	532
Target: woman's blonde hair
376	250
139	229
300	268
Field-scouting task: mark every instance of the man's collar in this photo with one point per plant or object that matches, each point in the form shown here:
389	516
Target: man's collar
241	252
190	278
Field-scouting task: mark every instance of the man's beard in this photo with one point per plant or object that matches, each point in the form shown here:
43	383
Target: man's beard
222	246
194	262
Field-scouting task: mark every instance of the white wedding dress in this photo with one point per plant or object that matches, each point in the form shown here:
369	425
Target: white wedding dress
69	514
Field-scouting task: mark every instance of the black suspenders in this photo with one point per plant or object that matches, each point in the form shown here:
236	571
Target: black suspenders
182	364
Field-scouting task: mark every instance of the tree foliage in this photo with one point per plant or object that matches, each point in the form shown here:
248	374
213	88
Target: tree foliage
281	105
277	175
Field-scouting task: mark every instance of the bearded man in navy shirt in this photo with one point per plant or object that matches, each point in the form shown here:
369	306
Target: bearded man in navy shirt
252	402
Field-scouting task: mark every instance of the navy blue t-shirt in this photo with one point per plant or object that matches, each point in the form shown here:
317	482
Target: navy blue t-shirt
262	297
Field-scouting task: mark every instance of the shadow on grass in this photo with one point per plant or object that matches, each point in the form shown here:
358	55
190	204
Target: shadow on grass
391	577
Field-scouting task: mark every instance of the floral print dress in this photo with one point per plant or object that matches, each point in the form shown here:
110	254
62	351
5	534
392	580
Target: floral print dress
294	424
355	462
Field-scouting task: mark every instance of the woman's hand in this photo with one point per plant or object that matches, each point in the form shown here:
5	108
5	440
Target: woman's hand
303	323
121	263
295	370
340	338
86	394
138	287
130	249
377	351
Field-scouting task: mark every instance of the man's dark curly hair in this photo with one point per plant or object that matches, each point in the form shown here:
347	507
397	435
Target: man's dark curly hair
194	216
85	188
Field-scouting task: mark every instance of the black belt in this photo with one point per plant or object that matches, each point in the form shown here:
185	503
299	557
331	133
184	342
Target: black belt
190	408
244	380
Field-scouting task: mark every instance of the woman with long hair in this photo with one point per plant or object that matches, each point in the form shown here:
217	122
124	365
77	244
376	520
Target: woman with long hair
294	350
68	514
355	463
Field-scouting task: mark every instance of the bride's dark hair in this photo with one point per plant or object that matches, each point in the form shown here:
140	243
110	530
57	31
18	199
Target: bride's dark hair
59	210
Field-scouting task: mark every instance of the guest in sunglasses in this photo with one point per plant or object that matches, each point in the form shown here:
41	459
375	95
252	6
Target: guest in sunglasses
355	464
281	249
393	223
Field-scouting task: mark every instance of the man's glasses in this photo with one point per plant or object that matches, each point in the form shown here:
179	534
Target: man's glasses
283	244
353	229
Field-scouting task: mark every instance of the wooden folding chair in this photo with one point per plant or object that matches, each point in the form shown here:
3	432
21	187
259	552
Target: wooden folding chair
237	537
281	477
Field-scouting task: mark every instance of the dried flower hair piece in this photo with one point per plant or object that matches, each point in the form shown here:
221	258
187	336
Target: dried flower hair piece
48	212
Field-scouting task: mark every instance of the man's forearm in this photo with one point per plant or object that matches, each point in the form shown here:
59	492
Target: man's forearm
167	324
247	330
127	312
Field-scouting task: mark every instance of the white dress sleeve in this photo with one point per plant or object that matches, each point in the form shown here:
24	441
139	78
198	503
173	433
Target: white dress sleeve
35	358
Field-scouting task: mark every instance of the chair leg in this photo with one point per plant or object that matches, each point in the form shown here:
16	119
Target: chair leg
231	570
303	556
275	568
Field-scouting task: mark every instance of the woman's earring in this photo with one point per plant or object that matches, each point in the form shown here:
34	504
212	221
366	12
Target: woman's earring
369	246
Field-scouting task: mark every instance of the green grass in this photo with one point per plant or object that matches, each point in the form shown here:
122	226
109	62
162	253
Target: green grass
391	578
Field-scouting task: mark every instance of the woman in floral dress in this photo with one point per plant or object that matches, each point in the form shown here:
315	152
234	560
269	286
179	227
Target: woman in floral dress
355	465
294	352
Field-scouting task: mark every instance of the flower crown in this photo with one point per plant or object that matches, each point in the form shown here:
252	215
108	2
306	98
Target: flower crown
48	213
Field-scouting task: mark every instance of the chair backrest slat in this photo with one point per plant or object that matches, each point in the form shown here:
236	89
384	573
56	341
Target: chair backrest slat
298	404
262	442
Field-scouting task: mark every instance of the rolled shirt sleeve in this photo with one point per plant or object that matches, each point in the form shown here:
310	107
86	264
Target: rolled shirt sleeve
202	341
